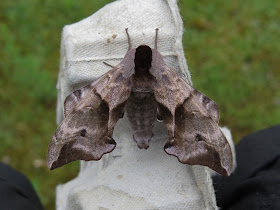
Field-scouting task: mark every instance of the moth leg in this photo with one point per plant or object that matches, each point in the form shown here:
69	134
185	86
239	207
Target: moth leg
169	119
108	64
159	115
128	39
114	115
156	39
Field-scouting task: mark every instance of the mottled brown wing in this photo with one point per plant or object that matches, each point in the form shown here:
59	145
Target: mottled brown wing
192	121
91	114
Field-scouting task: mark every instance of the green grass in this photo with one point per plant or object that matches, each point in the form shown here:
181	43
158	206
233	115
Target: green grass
232	51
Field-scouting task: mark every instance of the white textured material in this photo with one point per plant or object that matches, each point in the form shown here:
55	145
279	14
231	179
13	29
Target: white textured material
128	178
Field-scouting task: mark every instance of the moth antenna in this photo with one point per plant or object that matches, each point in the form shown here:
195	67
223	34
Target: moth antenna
128	39
108	64
156	39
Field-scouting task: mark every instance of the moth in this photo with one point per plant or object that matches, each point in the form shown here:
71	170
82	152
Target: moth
144	87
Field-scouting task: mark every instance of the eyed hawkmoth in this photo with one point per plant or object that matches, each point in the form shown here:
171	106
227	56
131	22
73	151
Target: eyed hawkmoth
144	87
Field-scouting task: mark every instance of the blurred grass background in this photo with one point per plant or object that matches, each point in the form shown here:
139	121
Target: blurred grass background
232	49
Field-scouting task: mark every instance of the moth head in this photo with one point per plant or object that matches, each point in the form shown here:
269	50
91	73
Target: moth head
143	58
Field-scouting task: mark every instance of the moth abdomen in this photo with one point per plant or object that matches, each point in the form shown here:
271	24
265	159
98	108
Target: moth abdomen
141	111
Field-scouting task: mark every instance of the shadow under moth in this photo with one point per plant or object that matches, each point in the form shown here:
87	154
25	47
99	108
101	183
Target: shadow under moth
144	87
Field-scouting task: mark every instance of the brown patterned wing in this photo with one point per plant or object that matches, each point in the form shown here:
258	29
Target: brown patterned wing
192	121
91	114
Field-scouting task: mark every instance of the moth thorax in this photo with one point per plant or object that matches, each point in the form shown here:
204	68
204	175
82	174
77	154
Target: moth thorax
143	59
